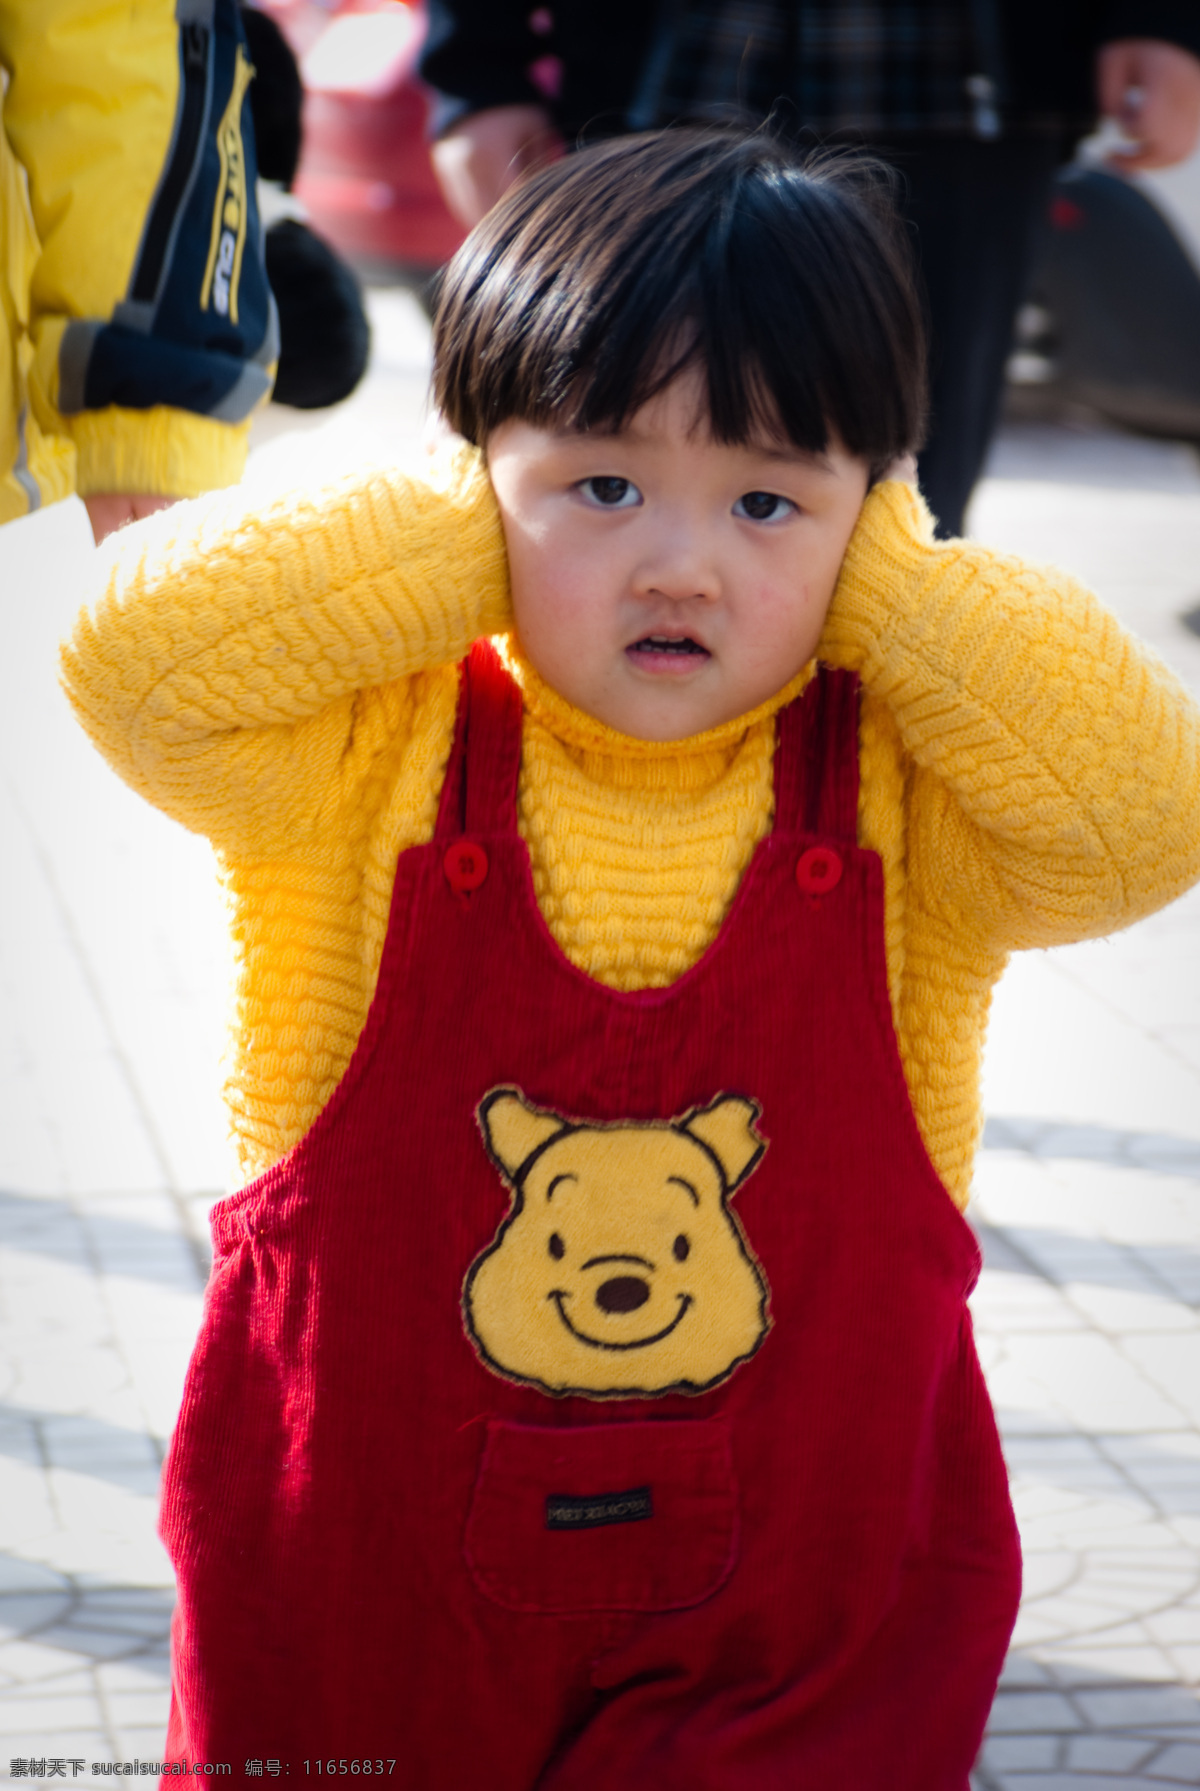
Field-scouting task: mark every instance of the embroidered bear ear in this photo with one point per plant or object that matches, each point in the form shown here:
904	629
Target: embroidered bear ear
726	1129
513	1129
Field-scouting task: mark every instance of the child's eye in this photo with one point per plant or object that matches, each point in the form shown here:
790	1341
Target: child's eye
611	492
762	506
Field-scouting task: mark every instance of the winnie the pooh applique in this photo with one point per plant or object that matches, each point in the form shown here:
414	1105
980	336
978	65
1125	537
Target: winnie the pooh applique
620	1269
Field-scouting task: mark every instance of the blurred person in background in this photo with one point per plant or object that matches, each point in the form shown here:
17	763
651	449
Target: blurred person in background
976	102
137	329
324	336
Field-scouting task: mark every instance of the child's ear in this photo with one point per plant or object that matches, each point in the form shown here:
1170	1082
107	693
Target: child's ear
513	1129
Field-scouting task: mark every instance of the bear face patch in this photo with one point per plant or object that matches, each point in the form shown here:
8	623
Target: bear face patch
620	1269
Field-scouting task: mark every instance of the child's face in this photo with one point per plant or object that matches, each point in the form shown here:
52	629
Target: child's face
662	581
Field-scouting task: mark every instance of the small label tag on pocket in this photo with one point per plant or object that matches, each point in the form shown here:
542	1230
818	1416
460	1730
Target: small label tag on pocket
566	1512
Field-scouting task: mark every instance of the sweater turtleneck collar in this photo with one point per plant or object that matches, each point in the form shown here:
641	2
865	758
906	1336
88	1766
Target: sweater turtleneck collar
611	757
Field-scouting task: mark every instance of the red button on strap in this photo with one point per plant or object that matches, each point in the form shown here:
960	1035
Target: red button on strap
818	870
466	866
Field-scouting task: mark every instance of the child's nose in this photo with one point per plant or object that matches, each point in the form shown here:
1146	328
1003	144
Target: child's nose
680	564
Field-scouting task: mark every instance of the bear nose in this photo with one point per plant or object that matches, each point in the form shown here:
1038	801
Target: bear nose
624	1293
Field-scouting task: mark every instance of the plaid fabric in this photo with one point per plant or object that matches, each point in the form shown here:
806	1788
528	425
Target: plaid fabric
845	65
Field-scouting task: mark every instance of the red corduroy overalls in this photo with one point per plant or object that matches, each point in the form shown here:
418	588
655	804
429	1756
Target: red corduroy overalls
769	1544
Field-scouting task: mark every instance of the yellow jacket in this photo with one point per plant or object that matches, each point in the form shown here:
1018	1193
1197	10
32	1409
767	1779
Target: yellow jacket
129	360
284	682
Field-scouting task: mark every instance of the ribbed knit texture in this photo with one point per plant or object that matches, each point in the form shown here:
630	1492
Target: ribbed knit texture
175	453
636	846
283	680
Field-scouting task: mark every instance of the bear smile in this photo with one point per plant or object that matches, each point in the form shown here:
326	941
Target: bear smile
559	1295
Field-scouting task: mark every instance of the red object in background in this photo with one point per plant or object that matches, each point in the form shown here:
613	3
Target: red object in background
1065	214
365	173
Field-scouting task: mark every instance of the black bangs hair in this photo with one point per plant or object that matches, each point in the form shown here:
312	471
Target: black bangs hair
785	277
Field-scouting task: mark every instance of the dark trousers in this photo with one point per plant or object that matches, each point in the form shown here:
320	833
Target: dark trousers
976	208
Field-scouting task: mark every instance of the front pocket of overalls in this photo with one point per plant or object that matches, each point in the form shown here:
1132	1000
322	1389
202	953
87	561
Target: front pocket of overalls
606	1517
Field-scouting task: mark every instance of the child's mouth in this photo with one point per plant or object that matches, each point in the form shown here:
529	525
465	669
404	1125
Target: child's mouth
661	651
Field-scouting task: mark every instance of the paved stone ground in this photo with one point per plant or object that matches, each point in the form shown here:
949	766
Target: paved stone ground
111	962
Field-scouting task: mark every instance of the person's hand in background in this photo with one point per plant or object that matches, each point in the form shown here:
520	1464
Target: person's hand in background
479	158
109	510
1152	90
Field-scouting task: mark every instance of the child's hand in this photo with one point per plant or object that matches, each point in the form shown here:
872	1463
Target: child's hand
109	510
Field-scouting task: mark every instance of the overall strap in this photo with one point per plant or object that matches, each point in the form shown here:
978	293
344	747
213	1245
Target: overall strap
479	794
816	758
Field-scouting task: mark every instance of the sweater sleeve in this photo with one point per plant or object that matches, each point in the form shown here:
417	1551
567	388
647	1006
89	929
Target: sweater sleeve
228	664
1055	786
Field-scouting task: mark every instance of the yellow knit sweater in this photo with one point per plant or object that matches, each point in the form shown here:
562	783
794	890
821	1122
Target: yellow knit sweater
283	680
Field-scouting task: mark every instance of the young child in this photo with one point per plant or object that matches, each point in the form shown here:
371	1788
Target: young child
586	1395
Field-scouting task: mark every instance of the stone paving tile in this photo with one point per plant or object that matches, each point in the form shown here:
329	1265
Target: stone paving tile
1092	1381
1133	1657
1137	1706
144	1674
1112	1581
1039	1712
1179	1623
1179	1764
137	1710
1046	1141
1121	1312
1084	1056
1187	1658
1173	1364
47	1716
1021	1753
1072	1781
1109	1753
139	1744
